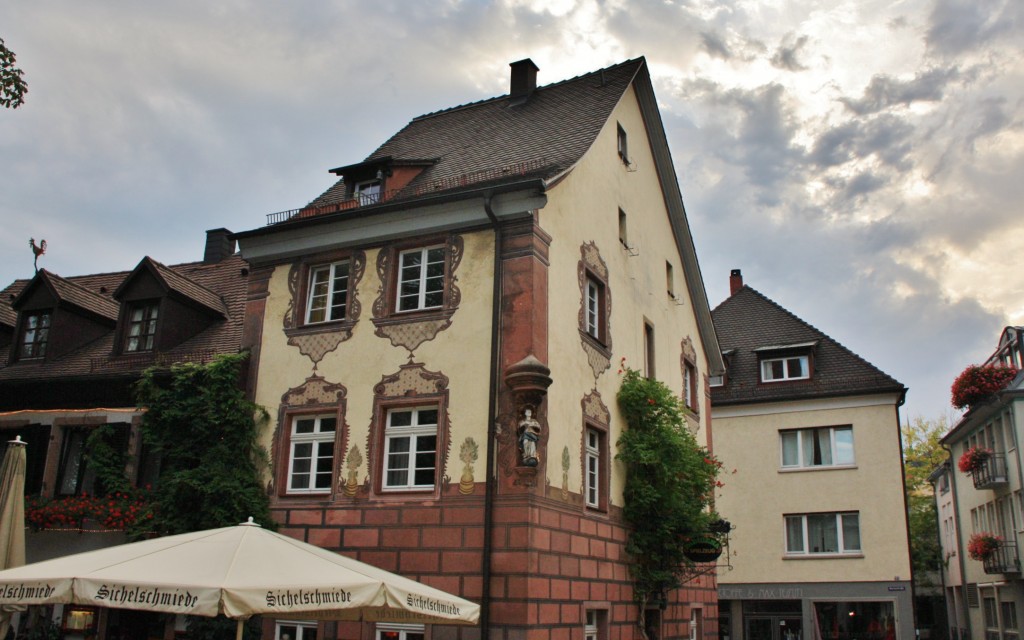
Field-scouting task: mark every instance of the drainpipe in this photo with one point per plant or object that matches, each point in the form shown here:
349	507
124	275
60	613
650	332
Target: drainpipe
906	513
964	613
492	423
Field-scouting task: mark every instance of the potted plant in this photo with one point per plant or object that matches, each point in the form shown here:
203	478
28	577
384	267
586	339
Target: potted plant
973	459
975	383
981	546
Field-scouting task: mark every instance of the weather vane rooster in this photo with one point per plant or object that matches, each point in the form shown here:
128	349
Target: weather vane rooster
38	251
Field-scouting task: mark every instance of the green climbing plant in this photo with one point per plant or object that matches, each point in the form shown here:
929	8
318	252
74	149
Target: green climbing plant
205	433
669	492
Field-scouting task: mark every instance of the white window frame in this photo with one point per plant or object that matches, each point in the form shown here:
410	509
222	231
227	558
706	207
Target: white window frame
322	300
805	438
301	627
805	546
592	472
413	432
767	373
421	280
314	438
140	335
367	192
593	308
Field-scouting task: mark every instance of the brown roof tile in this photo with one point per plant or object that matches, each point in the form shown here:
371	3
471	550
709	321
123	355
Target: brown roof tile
748	320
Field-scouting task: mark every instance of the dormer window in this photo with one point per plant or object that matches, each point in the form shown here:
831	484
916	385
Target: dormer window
779	369
367	192
141	329
35	333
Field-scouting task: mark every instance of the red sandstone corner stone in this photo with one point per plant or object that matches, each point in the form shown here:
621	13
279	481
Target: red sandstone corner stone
580	546
571	614
518	537
548	564
305	516
506	514
362	537
344	516
588	527
549	614
540	539
560	589
560	542
325	538
570	522
550	519
538	587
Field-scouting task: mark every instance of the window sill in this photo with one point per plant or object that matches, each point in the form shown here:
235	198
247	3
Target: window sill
320	327
824	556
596	344
831	467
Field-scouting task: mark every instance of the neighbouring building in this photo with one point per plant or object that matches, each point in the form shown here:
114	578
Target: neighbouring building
810	436
455	310
70	350
985	591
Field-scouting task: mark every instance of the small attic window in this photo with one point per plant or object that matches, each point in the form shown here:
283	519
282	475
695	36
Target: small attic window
780	363
35	332
622	144
367	192
141	328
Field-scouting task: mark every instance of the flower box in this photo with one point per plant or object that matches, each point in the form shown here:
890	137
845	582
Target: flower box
976	383
981	546
973	459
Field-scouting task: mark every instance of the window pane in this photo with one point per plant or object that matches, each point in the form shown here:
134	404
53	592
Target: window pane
777	370
328	424
795	534
304	425
822	533
823	446
790	449
400	418
844	445
796	369
427	417
851	532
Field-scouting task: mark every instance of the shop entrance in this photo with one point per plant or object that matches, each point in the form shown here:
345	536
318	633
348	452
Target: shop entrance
773	627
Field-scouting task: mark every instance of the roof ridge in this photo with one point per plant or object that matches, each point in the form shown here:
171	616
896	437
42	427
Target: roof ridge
503	96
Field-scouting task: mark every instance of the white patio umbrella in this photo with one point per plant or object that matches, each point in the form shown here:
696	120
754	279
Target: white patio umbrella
12	517
238	572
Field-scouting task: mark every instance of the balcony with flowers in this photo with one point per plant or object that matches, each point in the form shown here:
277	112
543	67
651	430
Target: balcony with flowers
997	555
986	468
978	383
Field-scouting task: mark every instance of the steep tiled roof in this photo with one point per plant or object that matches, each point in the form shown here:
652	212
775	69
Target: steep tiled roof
77	295
747	321
189	288
503	139
225	281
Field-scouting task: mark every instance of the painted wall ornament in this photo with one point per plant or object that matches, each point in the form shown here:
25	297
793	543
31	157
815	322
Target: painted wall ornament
468	454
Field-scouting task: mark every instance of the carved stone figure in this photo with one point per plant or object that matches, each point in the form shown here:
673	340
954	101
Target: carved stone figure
529	434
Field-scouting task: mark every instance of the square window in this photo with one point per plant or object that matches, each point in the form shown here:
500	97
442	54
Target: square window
311	453
410	448
35	333
790	368
421	276
140	332
327	299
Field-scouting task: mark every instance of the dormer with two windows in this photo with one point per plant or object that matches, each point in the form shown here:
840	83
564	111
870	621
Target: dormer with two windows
57	316
785	362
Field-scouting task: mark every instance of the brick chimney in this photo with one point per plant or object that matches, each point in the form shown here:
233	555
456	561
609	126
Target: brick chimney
524	78
735	281
219	245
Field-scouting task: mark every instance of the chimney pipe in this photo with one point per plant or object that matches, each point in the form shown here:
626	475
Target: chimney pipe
219	245
524	78
735	281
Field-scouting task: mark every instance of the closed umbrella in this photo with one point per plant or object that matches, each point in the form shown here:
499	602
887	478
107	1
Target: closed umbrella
238	572
12	517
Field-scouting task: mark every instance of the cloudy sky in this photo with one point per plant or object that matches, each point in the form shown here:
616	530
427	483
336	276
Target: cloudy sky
862	161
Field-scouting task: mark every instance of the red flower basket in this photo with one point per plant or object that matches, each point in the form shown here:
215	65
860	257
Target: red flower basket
974	458
981	546
976	383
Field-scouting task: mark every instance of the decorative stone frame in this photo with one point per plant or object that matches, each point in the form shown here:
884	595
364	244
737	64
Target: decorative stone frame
315	396
410	329
317	340
592	266
597	417
413	385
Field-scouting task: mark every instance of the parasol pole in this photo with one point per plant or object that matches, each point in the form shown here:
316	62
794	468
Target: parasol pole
238	629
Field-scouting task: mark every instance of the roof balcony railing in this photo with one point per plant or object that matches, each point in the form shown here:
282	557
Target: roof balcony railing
991	473
1003	560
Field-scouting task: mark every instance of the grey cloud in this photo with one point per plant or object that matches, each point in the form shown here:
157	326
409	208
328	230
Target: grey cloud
715	45
885	91
786	56
961	26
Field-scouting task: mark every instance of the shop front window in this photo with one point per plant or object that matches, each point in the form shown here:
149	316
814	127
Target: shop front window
855	620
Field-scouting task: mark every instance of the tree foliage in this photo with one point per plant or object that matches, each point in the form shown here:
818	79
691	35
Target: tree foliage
923	454
204	430
12	85
670	484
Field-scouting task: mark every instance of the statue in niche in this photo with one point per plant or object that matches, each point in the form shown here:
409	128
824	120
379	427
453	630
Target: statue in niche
529	434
